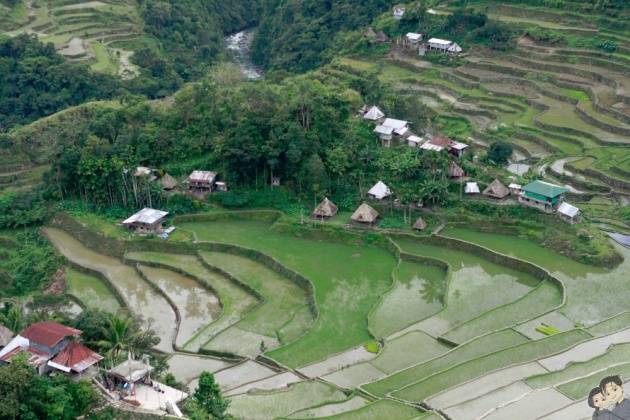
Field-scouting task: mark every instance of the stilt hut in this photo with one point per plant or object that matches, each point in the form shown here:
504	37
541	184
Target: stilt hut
168	182
496	190
364	215
325	211
420	224
455	171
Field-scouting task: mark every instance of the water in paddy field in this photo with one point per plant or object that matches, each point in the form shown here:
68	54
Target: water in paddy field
518	168
238	45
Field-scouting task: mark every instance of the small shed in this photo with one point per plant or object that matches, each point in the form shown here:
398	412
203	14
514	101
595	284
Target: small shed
472	188
515	189
275	181
439	44
146	220
400	127
414	141
221	186
457	149
364	215
420	224
131	371
203	180
379	191
455	171
398	13
168	182
437	143
568	213
373	114
144	172
496	189
325	210
413	37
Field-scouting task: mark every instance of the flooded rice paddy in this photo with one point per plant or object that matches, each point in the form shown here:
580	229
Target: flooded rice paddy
91	291
140	297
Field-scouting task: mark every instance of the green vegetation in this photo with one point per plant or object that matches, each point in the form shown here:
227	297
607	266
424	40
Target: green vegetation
346	286
91	291
372	347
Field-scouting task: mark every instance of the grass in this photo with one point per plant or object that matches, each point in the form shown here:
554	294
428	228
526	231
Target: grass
474	368
541	23
418	292
348	282
610	325
283	298
280	404
618	354
525	250
542	299
103	62
575	94
587	107
91	290
473	349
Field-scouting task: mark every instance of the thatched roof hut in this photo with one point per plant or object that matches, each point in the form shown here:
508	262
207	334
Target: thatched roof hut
455	171
364	215
168	182
420	224
325	210
496	190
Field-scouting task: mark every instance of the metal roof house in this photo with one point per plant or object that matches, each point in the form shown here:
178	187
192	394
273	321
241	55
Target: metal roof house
379	191
203	180
439	44
398	13
373	114
472	188
414	141
385	134
413	37
542	195
147	221
568	213
50	345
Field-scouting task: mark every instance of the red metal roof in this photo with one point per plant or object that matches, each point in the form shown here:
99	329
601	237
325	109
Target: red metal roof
35	358
441	141
76	357
48	333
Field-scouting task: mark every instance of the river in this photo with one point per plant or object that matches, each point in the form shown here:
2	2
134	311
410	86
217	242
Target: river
238	45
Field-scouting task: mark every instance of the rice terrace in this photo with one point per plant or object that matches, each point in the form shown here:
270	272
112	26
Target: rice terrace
489	306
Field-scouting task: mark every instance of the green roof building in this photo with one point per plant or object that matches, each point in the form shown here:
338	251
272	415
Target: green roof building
542	195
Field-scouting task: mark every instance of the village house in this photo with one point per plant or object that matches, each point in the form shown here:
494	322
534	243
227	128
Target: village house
454	49
220	186
373	114
202	180
168	182
325	210
398	13
146	221
497	190
439	143
6	335
568	213
385	134
400	127
455	171
439	44
420	224
413	38
542	195
372	36
379	191
143	171
414	141
364	216
50	346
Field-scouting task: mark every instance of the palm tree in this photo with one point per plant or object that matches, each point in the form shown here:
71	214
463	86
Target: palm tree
119	336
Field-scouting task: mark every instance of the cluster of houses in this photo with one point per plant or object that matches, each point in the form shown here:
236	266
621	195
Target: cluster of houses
52	348
365	215
391	129
540	195
199	181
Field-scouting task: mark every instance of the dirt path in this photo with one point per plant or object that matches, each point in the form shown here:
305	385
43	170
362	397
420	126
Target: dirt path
126	70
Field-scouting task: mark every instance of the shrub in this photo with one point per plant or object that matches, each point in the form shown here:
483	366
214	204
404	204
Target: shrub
372	347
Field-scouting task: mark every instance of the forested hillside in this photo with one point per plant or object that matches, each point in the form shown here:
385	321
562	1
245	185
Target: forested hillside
293	35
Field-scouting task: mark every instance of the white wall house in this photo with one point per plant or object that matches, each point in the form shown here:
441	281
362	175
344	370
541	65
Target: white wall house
439	44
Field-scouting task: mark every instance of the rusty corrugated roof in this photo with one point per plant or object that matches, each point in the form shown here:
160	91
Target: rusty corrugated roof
76	357
48	333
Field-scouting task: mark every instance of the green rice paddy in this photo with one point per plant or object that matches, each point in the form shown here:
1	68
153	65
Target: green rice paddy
418	292
91	290
348	282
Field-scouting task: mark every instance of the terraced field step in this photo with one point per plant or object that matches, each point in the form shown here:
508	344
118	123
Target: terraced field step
473	368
